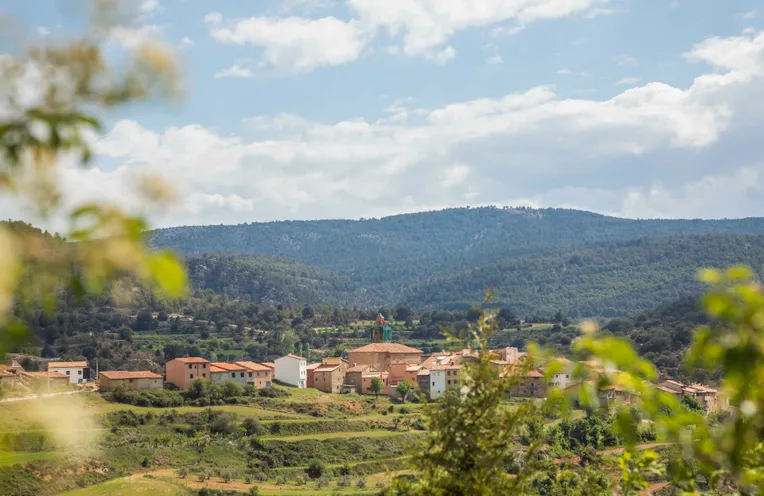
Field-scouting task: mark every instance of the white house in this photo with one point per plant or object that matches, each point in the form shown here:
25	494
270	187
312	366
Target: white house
563	378
292	370
443	377
77	372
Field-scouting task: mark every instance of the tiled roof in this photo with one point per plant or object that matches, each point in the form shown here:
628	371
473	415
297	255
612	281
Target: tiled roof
295	357
327	368
254	366
314	366
534	373
230	367
386	348
270	365
124	374
216	370
423	372
452	366
52	375
192	360
5	373
413	368
56	365
667	390
358	368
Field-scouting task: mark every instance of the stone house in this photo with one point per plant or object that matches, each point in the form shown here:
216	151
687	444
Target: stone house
136	381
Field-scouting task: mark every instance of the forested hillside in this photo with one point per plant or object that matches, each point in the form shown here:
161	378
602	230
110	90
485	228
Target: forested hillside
394	252
604	279
265	278
539	260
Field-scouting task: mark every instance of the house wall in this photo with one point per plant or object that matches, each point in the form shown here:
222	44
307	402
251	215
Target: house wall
183	374
40	384
381	360
105	384
240	377
529	387
328	382
292	371
262	379
561	380
437	383
75	374
354	379
423	384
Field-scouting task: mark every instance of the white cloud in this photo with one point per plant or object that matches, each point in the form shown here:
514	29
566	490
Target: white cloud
298	44
532	146
149	6
567	72
495	60
626	61
293	44
186	43
750	14
131	37
628	81
235	71
43	31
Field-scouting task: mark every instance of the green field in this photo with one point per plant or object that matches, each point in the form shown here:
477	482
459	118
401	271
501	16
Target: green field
339	435
133	485
8	458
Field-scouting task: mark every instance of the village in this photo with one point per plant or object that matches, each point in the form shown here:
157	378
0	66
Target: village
377	368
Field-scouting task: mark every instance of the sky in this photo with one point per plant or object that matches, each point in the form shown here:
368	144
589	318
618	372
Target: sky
310	109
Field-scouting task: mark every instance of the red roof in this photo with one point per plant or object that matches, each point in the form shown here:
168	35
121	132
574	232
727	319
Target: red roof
314	366
423	372
64	365
52	375
534	373
327	368
270	365
446	367
192	360
386	348
229	367
254	366
123	374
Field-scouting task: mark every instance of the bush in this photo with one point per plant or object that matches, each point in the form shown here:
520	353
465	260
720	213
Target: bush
316	470
360	483
344	482
254	491
272	392
252	427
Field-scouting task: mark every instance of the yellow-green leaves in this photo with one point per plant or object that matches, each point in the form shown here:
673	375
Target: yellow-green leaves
167	273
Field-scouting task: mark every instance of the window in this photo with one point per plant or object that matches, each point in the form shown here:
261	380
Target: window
242	374
189	366
67	372
250	374
130	381
449	382
204	365
192	376
233	374
79	372
433	383
204	375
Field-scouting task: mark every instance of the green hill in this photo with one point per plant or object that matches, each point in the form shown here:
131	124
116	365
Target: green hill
604	279
266	278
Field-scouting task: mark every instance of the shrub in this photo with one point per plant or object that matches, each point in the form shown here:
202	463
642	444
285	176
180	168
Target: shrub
343	482
252	427
360	483
254	491
316	470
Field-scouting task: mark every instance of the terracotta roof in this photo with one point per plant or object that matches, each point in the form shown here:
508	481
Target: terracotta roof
192	360
327	368
295	357
314	366
230	367
675	383
124	374
452	366
667	390
413	368
67	364
5	373
423	372
534	373
53	375
358	368
399	362
270	365
216	370
386	348
254	366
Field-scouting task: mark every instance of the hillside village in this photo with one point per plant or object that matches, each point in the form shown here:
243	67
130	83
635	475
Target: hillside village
376	368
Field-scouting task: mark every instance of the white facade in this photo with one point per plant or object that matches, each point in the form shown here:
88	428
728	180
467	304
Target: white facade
75	374
240	377
561	380
437	383
292	370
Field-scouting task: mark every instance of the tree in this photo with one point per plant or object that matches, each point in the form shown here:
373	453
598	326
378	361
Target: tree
376	386
403	389
316	470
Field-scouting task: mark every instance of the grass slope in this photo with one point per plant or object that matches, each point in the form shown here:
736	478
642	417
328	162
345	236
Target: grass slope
129	486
